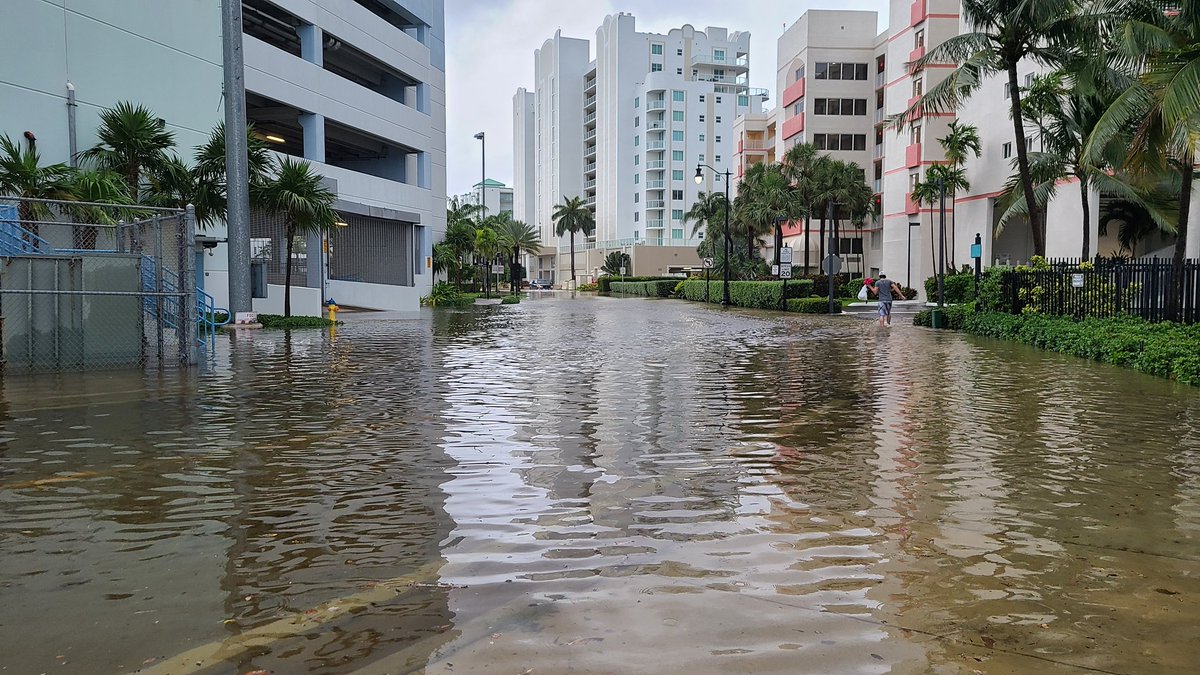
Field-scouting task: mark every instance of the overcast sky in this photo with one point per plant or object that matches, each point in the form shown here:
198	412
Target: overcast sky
489	53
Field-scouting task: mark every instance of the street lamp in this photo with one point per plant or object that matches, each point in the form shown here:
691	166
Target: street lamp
700	179
482	172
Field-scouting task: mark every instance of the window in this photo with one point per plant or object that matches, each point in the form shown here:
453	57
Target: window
637	121
656	67
677	195
677	96
656	48
919	38
842	142
635	219
637	140
838	106
914	134
637	159
743	101
676	155
677	234
637	101
800	73
701	158
718	119
678	52
1007	150
1029	144
717	139
1007	91
701	138
679	71
838	71
914	179
677	115
718	159
702	98
798	108
637	178
1028	80
676	214
702	118
637	197
676	174
677	136
918	87
718	99
718	55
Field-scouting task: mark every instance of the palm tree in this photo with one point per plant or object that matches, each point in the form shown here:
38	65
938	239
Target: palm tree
90	187
802	164
296	193
947	178
1004	34
708	214
460	238
132	140
210	158
23	176
926	192
572	216
444	259
766	199
615	261
960	142
487	244
515	238
1160	107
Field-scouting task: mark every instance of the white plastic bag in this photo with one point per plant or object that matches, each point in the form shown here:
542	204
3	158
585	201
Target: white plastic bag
862	292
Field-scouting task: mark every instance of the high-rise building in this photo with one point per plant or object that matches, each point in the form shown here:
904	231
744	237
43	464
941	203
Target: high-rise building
358	92
498	198
626	132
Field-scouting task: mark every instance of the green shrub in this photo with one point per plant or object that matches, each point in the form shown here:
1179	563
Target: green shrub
444	294
510	300
604	283
1162	349
278	321
752	294
955	316
812	305
959	286
678	292
650	289
585	288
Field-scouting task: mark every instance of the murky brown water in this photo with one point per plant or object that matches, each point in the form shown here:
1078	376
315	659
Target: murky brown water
603	486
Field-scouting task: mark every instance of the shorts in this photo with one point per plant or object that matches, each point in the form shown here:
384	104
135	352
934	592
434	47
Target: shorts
885	309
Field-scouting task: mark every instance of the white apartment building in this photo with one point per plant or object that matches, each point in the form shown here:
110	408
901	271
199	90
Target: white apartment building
641	117
498	198
358	92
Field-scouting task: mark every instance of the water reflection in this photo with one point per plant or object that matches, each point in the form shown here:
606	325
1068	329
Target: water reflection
609	485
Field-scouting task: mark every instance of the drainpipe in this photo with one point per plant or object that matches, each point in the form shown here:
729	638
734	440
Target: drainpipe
72	143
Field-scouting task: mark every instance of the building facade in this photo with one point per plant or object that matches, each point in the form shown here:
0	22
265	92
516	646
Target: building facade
626	132
358	92
498	198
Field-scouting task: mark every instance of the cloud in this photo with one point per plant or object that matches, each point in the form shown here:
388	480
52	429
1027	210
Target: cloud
490	44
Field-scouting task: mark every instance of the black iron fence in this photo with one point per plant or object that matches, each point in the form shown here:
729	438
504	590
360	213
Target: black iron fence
1104	289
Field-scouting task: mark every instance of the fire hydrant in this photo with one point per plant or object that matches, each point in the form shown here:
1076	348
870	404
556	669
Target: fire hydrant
333	310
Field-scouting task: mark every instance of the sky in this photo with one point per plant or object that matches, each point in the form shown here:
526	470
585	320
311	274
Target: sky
489	53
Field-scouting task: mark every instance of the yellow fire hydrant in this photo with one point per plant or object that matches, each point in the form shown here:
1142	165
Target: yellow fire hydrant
333	310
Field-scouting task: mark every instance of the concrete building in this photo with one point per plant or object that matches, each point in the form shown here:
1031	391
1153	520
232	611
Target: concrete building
497	198
626	132
358	90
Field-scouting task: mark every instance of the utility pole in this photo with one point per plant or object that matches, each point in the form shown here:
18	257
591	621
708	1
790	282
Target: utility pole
237	170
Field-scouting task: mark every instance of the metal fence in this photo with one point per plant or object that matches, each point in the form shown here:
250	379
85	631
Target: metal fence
1105	288
93	286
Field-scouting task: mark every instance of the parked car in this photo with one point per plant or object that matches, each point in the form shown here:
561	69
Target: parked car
540	285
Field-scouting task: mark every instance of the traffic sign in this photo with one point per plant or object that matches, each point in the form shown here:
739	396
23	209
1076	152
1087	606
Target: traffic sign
785	272
709	263
622	270
1077	281
497	269
785	255
774	270
831	265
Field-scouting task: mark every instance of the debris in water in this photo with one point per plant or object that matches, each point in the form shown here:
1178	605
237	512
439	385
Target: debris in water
989	642
1166	591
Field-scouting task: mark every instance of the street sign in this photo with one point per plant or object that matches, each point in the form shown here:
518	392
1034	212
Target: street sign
831	265
622	270
785	255
785	272
709	263
497	269
1077	280
976	250
774	270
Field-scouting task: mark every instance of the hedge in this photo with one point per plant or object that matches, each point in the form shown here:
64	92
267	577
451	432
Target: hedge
1164	349
279	321
603	283
650	289
752	294
954	316
959	287
813	305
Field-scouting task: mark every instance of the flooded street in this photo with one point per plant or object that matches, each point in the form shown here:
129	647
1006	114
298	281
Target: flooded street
602	485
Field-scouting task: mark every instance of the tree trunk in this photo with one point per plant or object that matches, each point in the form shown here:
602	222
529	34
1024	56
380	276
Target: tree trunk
287	274
953	238
572	259
1035	225
514	283
821	243
1087	217
1185	203
749	242
807	225
932	244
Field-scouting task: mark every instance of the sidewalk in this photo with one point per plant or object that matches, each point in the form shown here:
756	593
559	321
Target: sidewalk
901	309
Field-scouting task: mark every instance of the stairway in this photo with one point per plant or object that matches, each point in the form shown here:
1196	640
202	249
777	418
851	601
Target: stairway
902	310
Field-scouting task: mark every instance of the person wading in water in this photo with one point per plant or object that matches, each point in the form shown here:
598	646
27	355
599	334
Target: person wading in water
886	290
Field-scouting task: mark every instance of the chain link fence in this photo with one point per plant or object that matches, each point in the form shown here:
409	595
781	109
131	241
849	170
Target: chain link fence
88	286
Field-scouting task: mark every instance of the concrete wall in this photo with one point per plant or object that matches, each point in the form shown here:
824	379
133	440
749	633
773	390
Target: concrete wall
305	301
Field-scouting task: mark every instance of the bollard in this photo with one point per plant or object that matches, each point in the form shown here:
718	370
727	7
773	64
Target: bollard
939	319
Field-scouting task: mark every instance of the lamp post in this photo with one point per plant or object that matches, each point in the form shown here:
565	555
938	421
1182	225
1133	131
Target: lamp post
482	172
942	243
700	179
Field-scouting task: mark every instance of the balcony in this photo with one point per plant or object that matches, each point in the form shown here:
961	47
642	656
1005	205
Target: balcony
880	115
877	185
589	119
590	86
916	111
917	12
656	105
589	102
915	55
654	224
657	204
590	184
655	184
656	126
591	201
590	168
737	82
880	80
759	91
793	93
793	126
912	155
755	145
656	145
911	207
878	153
656	165
589	135
725	60
590	151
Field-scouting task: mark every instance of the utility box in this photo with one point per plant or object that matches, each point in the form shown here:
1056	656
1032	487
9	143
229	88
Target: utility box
258	279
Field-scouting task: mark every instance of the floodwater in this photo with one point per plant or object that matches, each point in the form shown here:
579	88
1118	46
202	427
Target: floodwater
601	485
